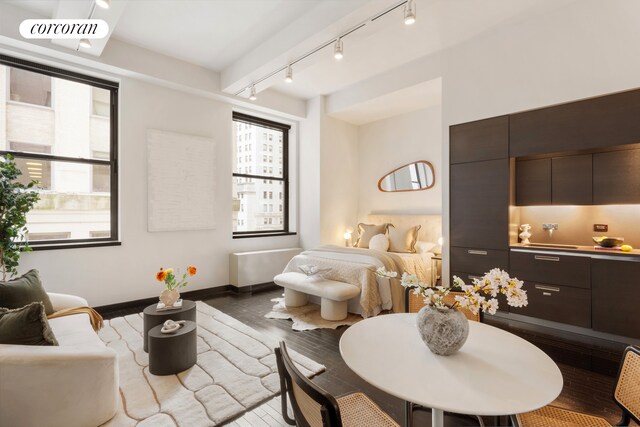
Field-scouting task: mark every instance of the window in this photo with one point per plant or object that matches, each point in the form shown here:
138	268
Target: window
259	220
29	88
66	143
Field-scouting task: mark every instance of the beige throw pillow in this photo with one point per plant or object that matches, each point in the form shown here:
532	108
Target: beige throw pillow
403	239
367	231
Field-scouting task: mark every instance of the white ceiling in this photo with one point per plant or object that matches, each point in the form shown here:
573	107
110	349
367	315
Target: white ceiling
213	34
244	40
413	98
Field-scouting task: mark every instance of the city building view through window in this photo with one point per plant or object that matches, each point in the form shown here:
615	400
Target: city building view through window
260	185
59	131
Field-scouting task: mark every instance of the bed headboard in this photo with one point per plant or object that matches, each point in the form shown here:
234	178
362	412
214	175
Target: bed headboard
431	225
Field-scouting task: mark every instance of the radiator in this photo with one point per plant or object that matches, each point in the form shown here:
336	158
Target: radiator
253	268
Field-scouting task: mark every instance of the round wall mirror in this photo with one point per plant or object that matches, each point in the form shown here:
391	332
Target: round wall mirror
416	176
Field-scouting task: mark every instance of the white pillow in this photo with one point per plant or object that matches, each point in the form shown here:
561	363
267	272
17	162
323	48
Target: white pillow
422	246
379	242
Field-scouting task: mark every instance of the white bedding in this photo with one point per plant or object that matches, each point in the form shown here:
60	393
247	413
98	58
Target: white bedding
388	294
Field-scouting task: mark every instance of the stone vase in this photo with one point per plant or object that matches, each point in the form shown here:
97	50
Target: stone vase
443	330
169	297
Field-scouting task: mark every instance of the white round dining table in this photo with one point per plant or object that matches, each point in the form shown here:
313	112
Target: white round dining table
494	373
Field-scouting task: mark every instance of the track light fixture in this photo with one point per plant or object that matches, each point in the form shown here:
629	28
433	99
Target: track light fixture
410	12
85	43
338	50
105	4
289	76
338	47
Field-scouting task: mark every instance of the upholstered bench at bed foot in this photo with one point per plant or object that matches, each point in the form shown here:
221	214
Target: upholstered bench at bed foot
334	295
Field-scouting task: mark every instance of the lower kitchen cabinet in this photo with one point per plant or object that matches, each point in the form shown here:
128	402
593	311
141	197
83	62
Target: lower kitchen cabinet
615	289
562	304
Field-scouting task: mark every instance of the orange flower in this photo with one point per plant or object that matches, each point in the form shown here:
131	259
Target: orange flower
161	275
192	270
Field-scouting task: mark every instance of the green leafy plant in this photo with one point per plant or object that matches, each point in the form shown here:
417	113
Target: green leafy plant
16	200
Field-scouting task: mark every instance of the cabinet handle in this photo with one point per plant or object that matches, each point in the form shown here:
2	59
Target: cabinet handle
474	252
546	294
547	258
547	288
474	277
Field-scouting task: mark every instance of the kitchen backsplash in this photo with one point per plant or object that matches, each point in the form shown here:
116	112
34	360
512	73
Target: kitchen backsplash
575	223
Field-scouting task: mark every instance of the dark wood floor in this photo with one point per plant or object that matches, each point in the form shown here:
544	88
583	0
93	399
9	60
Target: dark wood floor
588	368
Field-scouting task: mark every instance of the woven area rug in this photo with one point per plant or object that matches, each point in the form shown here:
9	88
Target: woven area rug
236	371
307	317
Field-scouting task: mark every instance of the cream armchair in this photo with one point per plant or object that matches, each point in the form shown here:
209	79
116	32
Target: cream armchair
73	384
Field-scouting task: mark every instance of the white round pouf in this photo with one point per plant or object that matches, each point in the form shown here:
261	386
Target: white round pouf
379	242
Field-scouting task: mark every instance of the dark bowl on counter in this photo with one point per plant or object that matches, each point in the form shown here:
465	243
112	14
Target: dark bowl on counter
608	242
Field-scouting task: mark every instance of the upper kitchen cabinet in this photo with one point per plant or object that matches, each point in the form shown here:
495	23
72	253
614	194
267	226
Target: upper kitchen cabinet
533	182
480	140
571	182
594	123
554	181
480	204
616	177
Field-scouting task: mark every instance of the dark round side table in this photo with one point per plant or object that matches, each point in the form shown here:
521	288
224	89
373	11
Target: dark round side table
175	352
153	318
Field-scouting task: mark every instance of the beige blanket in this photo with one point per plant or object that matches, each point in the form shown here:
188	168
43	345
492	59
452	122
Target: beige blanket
94	316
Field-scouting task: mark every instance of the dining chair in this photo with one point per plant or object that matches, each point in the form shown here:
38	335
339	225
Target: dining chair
413	303
626	394
314	407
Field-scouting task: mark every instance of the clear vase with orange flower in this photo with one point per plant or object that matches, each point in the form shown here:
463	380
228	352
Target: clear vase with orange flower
170	296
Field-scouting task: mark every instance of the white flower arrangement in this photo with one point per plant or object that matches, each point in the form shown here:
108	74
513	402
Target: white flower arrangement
475	296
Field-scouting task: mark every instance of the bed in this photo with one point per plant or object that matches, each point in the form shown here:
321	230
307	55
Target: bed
357	265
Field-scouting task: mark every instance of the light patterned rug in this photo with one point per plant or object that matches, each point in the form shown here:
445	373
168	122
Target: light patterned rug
236	371
307	317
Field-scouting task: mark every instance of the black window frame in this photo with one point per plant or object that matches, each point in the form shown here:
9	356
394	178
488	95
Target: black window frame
113	88
258	121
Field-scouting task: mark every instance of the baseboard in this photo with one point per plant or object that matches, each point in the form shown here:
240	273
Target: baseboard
260	287
197	294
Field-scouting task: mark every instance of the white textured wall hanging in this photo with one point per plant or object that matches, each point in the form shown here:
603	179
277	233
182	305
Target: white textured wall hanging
181	181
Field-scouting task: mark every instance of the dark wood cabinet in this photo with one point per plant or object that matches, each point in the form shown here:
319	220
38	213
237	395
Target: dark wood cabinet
589	124
571	182
565	270
616	177
616	297
478	261
479	205
555	181
533	182
557	303
480	140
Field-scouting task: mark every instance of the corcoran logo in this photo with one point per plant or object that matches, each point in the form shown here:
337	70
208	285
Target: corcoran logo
64	29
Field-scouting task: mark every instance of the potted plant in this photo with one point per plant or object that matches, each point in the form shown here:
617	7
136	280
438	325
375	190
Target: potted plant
16	200
170	294
442	326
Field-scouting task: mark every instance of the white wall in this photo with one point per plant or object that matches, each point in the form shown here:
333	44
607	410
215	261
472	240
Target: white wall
328	177
390	143
309	172
339	168
121	273
585	49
